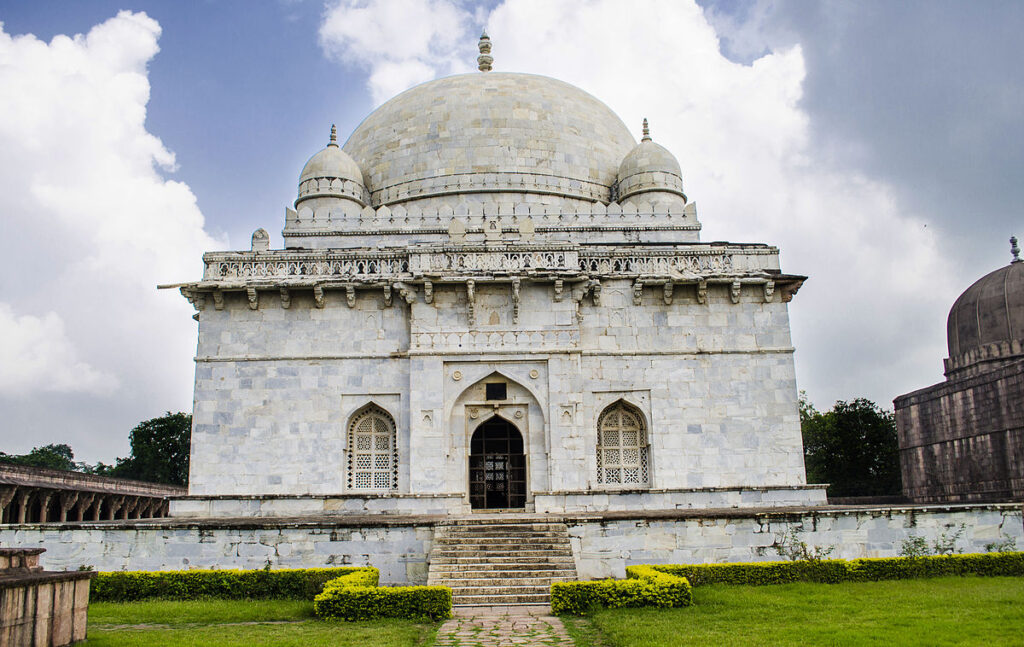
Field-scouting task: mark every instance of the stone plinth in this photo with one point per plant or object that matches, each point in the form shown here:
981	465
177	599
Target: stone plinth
40	608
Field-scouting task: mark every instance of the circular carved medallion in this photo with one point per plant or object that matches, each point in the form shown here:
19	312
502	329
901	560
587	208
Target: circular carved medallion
457	375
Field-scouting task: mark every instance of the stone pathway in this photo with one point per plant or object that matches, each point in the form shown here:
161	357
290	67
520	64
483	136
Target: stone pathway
500	626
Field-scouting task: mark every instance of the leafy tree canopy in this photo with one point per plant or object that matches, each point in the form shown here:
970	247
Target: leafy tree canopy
57	457
852	447
160	450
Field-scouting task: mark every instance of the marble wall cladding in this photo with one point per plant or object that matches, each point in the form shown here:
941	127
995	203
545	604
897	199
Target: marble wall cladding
276	387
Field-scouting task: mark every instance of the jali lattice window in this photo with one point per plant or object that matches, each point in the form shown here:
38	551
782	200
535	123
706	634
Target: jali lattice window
372	451
621	446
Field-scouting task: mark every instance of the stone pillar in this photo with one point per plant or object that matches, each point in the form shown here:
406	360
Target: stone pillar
6	496
129	506
67	499
114	503
23	496
44	504
85	499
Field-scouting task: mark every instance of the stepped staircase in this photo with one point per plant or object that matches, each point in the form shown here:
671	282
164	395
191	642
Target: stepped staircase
500	562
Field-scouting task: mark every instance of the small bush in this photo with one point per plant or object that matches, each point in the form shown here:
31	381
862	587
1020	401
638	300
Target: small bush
356	596
645	586
293	584
1005	544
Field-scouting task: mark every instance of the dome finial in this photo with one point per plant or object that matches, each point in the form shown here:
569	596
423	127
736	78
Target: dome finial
334	137
1014	250
483	62
647	132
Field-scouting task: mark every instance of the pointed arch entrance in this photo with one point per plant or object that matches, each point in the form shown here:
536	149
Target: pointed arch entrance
497	466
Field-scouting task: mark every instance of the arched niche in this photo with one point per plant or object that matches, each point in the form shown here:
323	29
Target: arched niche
520	407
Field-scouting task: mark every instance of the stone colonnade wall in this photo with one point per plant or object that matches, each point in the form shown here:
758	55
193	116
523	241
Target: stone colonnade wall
30	504
603	545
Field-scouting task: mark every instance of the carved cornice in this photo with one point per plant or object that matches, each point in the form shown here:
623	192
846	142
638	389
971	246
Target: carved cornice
285	271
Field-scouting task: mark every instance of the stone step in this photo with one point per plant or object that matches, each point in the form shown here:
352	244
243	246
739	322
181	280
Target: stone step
464	591
486	563
499	600
509	583
496	543
503	572
540	552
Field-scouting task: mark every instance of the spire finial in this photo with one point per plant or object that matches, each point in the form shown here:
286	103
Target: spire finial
483	62
334	137
1014	250
647	132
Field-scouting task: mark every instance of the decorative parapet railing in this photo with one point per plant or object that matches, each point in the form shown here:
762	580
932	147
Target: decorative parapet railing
475	217
315	265
373	265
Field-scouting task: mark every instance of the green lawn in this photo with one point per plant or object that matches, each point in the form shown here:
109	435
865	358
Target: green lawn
942	611
238	623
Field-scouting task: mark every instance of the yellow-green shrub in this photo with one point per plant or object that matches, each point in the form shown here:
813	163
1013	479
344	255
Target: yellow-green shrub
290	583
644	586
853	570
356	596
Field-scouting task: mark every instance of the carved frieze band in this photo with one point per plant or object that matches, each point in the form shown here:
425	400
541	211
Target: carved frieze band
681	264
484	340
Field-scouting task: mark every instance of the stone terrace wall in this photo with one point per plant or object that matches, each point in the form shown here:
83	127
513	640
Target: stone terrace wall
603	544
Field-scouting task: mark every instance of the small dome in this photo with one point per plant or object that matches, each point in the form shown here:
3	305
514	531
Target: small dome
649	167
332	173
987	321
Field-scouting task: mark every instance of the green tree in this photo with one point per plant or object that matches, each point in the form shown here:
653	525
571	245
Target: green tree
57	457
160	450
852	447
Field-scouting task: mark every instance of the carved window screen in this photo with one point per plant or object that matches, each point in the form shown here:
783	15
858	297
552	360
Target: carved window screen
372	451
622	447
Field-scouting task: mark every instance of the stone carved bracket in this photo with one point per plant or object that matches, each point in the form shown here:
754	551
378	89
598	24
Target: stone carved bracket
471	300
638	292
515	299
350	296
667	292
318	296
286	298
769	291
702	291
428	291
595	291
387	295
734	291
218	300
254	299
406	292
559	288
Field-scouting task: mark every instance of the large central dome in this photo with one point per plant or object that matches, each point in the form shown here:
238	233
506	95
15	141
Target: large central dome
488	133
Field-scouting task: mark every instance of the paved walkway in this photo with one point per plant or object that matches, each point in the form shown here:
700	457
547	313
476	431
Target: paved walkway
500	626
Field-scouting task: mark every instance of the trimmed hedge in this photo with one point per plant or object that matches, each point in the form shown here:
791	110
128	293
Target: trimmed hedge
644	586
295	584
356	596
853	570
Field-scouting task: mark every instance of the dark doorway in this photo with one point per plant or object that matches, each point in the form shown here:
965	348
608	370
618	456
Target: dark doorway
497	466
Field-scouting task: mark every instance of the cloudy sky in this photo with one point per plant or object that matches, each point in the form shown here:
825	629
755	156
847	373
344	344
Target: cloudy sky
880	145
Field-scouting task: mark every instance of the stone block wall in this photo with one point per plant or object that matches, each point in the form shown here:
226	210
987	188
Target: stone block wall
963	439
603	544
277	386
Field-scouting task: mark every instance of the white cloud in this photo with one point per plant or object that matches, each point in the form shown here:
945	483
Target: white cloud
870	322
36	355
401	42
92	226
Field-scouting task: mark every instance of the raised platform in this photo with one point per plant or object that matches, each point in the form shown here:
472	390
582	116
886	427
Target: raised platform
603	543
560	502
